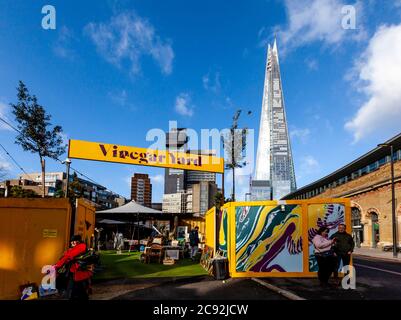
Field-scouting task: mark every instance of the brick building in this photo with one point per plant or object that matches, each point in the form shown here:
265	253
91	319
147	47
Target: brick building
367	182
141	189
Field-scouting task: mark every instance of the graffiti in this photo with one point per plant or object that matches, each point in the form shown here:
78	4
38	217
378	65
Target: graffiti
223	236
269	239
206	259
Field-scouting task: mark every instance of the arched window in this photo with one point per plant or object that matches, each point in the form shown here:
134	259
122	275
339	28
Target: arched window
357	227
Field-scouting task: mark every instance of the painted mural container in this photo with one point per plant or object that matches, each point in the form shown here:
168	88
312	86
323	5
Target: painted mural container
273	238
268	238
330	215
223	231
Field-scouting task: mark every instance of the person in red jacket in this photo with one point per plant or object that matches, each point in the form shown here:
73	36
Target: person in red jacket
78	282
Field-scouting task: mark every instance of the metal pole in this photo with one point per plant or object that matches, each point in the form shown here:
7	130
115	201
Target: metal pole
137	219
222	188
233	162
68	163
394	217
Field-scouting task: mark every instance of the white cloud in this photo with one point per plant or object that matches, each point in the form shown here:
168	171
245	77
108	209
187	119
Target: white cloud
62	47
309	166
157	179
318	20
65	137
5	167
312	64
128	180
212	82
127	37
301	134
183	105
379	77
5	114
309	169
119	98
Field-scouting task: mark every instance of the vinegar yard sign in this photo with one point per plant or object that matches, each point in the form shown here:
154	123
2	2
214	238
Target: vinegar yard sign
79	149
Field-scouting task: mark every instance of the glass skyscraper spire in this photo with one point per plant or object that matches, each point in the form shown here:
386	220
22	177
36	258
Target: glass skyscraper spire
274	171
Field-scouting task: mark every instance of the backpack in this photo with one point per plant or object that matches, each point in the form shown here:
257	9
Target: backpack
87	259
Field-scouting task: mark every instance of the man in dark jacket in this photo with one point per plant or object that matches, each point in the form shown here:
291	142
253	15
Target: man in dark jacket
194	242
343	247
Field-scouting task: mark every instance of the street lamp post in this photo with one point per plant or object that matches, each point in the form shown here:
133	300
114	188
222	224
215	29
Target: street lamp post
67	163
393	213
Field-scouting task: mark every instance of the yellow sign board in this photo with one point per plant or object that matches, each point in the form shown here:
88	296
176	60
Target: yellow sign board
49	233
79	149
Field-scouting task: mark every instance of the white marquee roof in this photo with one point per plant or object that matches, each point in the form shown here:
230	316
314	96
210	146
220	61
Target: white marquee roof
131	207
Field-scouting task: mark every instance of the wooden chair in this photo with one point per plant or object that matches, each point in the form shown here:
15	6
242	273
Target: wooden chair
155	251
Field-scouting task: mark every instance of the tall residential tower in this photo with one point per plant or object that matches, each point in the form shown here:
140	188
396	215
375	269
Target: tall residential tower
274	171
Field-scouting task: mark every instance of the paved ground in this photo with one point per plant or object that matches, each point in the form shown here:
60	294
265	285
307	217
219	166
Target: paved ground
377	253
375	280
204	288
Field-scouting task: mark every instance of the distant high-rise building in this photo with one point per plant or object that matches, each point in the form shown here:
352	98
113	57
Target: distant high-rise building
203	196
141	189
193	177
174	202
274	171
174	179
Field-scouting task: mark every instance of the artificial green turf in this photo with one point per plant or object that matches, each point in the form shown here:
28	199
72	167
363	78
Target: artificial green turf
128	265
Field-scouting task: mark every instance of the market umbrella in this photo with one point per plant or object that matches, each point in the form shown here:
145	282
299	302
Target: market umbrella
129	211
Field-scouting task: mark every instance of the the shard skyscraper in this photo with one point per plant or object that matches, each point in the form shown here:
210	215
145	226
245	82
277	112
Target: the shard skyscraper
274	171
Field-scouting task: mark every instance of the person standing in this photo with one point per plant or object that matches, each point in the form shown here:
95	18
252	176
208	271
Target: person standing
343	248
194	242
78	280
324	255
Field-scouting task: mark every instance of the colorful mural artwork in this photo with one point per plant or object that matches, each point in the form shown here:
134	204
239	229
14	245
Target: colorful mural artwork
206	259
269	238
223	235
319	215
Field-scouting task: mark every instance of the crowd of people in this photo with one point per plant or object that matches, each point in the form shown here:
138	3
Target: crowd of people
332	252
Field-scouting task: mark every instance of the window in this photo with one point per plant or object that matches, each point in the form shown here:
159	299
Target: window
373	166
395	155
382	161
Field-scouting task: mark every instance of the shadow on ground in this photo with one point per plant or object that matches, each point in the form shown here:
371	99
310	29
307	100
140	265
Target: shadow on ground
203	288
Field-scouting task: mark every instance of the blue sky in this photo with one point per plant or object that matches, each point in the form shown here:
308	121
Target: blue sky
111	71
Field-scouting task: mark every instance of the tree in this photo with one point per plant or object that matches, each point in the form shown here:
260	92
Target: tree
234	144
75	188
36	134
19	192
219	201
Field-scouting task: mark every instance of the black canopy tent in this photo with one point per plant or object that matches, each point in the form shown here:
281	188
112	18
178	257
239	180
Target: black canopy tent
131	213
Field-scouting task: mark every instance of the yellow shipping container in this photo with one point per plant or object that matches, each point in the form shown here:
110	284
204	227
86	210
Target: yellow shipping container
34	233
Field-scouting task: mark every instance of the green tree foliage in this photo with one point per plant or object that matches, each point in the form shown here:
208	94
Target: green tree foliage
36	134
19	192
75	189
